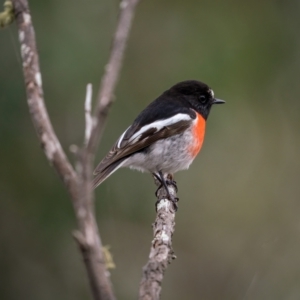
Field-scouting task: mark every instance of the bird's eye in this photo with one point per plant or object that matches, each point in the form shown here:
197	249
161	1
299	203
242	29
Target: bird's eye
202	99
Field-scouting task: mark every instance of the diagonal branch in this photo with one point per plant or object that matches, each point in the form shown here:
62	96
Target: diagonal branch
109	80
108	83
88	232
161	252
107	87
112	70
35	98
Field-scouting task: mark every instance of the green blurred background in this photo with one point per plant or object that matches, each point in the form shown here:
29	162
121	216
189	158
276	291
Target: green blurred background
238	227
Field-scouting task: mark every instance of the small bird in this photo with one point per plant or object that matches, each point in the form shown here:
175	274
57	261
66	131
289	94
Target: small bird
165	137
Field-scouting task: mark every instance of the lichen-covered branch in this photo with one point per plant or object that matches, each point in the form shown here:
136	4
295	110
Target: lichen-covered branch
161	252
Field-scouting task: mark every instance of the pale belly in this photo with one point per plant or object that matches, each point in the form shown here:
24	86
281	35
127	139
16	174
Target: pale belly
168	155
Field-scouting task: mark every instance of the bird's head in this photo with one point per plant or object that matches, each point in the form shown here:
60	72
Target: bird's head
197	95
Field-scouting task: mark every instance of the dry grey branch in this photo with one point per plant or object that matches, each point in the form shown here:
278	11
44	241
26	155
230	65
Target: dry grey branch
161	252
35	98
112	70
85	163
108	83
90	243
77	183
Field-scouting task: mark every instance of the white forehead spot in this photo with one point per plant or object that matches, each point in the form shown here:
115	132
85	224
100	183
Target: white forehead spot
212	93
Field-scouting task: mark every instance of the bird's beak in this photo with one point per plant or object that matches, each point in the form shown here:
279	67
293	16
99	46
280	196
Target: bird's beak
218	101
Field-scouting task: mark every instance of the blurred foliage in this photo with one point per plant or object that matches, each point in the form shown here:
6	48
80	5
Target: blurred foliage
238	228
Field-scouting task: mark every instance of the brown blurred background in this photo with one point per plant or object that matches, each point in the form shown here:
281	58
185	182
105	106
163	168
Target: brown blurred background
238	226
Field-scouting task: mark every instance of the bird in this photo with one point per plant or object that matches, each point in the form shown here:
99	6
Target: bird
165	137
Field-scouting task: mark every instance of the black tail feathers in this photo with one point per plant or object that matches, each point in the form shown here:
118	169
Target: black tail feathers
101	175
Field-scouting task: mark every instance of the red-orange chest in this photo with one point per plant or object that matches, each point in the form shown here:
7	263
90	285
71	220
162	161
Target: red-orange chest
198	132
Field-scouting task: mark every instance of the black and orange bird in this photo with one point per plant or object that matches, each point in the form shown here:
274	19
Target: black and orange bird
165	137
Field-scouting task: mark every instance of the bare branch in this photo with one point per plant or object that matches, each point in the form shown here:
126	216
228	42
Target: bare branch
35	98
108	83
85	163
112	70
77	183
161	252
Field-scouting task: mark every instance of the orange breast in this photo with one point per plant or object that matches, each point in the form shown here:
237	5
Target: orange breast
198	132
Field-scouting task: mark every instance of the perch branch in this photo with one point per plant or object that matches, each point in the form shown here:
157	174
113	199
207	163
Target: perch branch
161	252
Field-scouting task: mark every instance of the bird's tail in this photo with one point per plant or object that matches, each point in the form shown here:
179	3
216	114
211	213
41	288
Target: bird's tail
102	174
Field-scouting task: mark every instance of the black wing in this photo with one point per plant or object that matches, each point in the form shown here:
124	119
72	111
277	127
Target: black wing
135	139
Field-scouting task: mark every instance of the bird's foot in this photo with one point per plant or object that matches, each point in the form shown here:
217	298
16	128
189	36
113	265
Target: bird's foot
172	182
169	182
174	201
165	183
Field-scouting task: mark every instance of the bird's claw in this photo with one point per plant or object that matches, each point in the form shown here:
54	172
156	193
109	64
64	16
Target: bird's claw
168	182
165	183
174	201
172	182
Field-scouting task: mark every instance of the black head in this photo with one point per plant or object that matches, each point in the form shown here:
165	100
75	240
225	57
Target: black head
196	94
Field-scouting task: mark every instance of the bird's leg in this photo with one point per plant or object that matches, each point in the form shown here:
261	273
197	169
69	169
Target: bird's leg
170	181
160	186
163	183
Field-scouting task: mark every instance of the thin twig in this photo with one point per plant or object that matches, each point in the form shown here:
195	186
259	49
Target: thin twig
88	112
106	91
85	162
161	252
112	70
104	101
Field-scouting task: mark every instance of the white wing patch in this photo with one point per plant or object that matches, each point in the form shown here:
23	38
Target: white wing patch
121	138
159	125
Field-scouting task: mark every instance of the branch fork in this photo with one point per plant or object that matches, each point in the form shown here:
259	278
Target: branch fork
78	182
